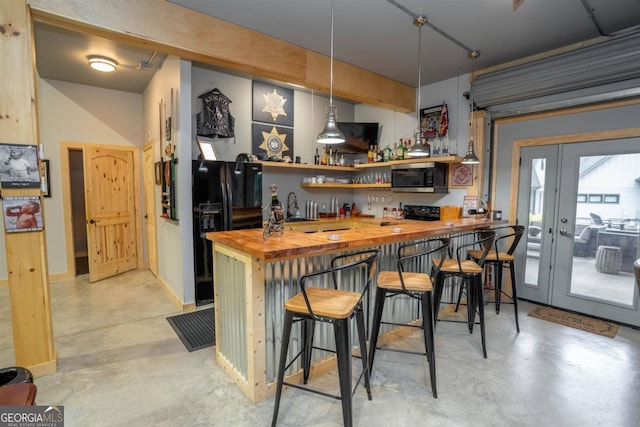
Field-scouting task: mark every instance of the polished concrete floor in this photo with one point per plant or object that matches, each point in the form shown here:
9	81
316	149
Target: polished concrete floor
121	364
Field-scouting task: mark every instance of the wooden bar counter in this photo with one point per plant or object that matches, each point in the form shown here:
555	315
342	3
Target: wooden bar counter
254	277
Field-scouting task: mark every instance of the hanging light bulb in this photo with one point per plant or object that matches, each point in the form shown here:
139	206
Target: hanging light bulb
419	149
331	134
470	158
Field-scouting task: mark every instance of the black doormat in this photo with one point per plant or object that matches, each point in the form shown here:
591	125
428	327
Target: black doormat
196	329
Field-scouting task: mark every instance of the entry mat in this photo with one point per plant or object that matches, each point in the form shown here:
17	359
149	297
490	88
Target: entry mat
574	320
196	329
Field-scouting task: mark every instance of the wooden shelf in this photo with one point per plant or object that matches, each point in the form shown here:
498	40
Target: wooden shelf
351	168
443	159
305	166
339	185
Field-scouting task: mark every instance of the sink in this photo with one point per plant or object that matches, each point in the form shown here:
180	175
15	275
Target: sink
296	219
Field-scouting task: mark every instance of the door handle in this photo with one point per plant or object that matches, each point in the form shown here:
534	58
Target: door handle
92	221
565	233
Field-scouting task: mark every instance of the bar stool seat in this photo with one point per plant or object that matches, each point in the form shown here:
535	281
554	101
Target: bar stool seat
470	273
415	284
18	394
335	306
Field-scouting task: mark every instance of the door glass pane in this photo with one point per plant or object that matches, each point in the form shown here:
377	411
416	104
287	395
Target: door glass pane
606	228
534	231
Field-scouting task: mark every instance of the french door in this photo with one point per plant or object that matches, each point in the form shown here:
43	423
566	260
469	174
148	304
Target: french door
581	205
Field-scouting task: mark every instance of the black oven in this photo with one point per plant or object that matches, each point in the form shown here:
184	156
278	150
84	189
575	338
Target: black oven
429	177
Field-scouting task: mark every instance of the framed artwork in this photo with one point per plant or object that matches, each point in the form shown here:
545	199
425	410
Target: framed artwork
434	121
158	166
22	214
44	173
272	104
271	142
19	166
461	175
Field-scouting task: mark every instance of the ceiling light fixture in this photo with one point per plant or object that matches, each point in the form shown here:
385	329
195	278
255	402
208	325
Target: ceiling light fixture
470	158
100	63
419	149
331	134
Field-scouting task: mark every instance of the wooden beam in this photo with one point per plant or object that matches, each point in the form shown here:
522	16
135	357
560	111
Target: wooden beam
25	252
173	29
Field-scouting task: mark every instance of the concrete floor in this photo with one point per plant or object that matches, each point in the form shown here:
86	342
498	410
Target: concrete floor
121	364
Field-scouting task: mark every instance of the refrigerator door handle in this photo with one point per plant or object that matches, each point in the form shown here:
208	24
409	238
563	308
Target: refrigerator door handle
226	197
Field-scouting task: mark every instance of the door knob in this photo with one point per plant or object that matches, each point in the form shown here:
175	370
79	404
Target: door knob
92	221
565	233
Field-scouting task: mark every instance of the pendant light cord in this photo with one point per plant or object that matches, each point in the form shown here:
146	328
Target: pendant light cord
419	22
331	64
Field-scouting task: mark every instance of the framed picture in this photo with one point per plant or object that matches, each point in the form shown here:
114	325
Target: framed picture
158	166
44	174
273	142
272	104
434	121
461	175
22	214
19	166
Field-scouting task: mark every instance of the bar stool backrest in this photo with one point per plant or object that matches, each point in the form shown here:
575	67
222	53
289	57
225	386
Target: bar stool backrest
419	252
483	240
510	231
340	266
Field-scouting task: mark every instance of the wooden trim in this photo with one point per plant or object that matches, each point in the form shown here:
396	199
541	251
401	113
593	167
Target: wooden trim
552	140
26	253
209	40
177	301
46	368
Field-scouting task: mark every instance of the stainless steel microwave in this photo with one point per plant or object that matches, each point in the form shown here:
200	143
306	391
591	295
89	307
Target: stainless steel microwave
424	177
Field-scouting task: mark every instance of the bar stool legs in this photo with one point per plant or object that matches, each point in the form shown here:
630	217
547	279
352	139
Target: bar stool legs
343	355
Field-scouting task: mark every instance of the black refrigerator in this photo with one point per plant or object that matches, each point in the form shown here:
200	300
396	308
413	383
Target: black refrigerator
226	196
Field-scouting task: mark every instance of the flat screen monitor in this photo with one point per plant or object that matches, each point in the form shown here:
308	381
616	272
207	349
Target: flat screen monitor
358	136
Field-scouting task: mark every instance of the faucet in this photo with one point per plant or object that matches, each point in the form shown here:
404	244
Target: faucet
291	196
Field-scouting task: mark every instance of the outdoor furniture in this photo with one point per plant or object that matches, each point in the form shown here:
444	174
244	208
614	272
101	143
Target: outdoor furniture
608	259
626	240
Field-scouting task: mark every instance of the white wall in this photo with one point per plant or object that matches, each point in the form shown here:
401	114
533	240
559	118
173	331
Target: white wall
77	113
175	251
309	114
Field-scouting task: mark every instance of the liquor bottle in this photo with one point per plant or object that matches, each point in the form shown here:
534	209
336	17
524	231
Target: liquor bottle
330	157
370	154
394	152
324	156
400	153
316	158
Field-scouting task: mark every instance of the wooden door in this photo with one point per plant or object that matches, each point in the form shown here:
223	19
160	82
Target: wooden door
110	204
150	207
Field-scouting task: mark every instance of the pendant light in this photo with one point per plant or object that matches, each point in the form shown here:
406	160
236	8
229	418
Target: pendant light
419	149
331	134
470	158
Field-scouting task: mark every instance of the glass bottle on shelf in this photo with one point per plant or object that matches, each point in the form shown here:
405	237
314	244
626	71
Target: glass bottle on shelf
330	157
316	157
401	148
324	156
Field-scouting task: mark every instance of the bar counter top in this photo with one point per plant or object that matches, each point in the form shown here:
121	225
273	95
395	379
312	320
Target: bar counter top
350	233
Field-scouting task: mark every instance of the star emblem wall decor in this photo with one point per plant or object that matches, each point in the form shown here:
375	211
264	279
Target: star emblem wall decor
273	142
272	104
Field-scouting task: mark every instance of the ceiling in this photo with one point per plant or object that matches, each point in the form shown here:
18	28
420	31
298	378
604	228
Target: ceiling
375	35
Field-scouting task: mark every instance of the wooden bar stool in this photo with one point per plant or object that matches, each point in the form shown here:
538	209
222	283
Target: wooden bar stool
409	280
470	273
335	306
500	259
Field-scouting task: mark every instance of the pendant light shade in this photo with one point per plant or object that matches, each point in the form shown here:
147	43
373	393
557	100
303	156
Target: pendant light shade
470	158
419	149
331	134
